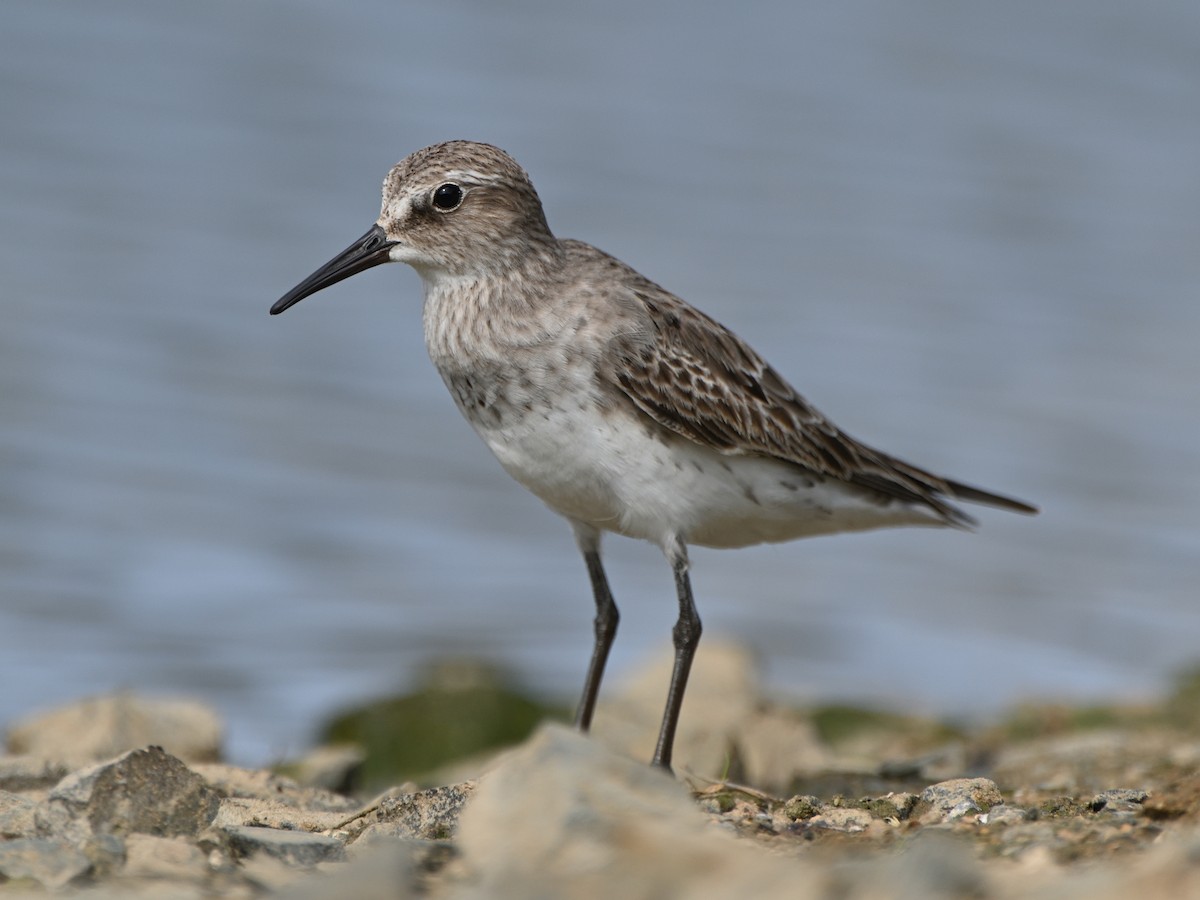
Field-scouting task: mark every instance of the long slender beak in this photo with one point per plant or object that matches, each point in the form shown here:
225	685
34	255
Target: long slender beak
368	251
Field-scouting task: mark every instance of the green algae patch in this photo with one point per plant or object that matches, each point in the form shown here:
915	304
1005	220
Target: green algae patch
460	710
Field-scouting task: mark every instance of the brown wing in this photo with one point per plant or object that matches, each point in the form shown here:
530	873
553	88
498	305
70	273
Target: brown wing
695	377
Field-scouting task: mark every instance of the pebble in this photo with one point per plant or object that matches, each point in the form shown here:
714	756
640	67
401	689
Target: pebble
300	848
953	799
563	815
51	862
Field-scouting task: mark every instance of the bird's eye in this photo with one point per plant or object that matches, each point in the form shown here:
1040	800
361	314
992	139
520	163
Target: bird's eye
447	196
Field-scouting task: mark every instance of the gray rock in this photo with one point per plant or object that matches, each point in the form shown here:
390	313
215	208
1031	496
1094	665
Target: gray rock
1119	800
51	862
145	791
300	848
60	821
1002	814
961	808
106	851
17	816
429	815
99	728
950	800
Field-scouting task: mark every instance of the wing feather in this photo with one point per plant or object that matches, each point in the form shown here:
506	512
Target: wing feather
695	377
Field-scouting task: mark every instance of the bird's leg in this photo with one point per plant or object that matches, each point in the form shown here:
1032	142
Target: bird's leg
686	636
607	618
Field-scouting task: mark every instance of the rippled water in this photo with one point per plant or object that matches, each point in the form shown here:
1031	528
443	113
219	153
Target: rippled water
968	233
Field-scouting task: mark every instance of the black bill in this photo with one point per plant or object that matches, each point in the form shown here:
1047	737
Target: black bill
369	250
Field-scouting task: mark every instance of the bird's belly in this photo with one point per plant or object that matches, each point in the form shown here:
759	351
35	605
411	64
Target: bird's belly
567	456
623	474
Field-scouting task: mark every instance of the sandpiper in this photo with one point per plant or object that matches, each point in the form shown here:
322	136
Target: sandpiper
619	405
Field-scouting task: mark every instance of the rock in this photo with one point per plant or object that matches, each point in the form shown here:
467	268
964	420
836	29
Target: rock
382	874
428	856
776	748
99	728
1166	871
740	812
1121	805
429	815
51	862
950	800
1086	762
802	806
236	782
420	823
1119	800
894	805
333	767
724	720
260	799
172	859
723	688
17	816
236	811
256	798
272	875
932	866
106	851
299	848
563	817
145	791
27	773
851	820
1002	814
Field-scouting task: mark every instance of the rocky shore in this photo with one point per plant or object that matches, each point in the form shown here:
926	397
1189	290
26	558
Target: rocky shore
126	796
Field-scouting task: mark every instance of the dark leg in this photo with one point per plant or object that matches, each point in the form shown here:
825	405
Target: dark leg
686	636
605	623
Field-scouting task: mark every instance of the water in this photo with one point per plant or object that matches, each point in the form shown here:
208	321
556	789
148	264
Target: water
967	233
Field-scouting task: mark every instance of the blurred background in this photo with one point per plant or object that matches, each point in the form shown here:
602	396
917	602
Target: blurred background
969	233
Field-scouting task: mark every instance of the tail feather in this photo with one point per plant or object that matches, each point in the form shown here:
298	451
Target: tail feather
914	485
960	491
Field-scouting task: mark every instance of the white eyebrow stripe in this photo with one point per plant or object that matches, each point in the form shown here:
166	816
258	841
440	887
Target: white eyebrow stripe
474	176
